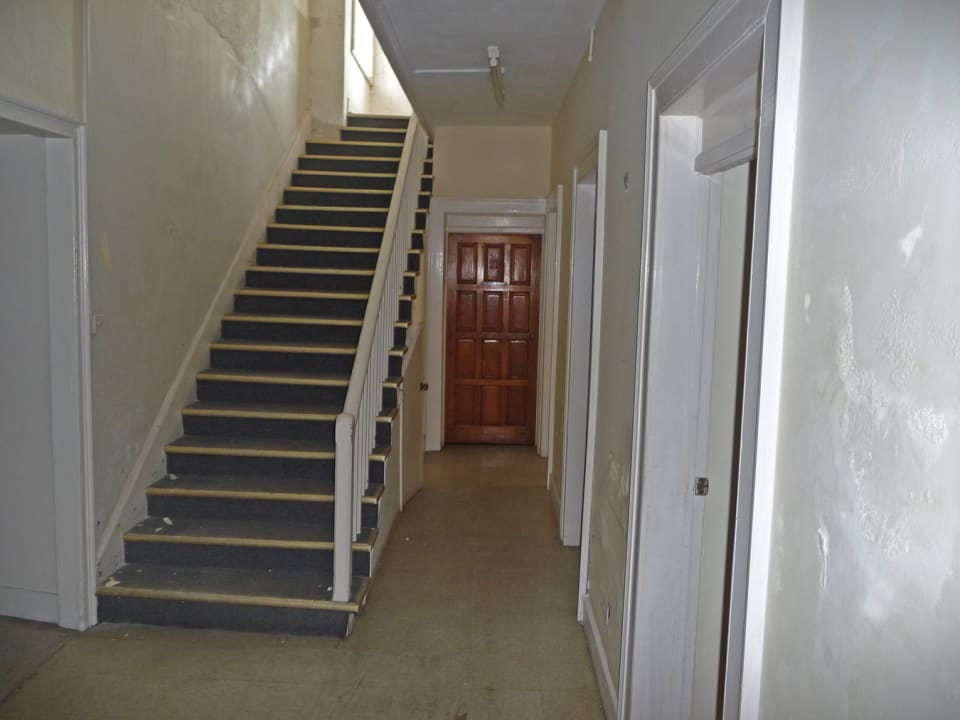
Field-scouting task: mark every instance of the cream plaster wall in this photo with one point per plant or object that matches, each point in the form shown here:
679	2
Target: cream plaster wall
192	106
632	40
41	54
492	161
864	603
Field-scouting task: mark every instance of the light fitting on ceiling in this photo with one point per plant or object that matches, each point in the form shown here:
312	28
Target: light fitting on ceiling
496	73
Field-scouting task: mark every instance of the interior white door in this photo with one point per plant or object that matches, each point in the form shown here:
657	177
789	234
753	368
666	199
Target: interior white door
721	414
28	551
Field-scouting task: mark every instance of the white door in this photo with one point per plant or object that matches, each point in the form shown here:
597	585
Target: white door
28	552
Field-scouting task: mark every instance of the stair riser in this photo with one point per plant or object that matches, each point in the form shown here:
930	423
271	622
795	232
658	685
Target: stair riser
426	184
384	433
324	237
310	197
308	281
399	336
409	285
354	151
341	334
222	615
324	307
380	135
185	554
413	261
395	366
423	202
358	182
228	509
416	241
317	430
242	392
406	310
323	363
421	221
389	398
427	167
377	470
211	464
377	122
348	164
345	260
338	218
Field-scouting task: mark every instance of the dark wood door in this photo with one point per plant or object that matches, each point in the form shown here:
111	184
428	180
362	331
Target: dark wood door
493	311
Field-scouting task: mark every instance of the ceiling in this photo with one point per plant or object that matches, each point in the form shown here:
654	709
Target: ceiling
541	44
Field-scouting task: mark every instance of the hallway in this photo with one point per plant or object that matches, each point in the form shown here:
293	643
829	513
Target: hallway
472	615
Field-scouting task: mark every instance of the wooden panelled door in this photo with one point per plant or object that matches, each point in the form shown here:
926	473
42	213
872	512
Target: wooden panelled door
493	312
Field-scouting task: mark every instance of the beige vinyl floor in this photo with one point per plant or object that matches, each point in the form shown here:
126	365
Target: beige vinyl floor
472	616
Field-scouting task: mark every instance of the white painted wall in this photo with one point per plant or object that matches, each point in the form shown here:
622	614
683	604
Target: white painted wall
632	40
41	54
28	554
864	602
492	161
723	405
192	106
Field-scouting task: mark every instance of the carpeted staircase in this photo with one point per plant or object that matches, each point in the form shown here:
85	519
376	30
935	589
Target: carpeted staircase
240	531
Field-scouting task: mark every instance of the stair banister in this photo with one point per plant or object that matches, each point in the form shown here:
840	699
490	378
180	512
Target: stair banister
356	425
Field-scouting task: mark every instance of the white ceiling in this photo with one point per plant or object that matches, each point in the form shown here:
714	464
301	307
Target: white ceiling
541	44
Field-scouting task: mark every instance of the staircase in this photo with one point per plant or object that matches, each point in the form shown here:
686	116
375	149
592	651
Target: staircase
240	533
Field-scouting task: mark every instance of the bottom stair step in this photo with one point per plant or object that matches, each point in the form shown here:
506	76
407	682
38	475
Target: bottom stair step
239	599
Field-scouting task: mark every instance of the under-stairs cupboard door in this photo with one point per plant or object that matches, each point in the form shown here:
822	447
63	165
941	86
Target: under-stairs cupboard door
492	299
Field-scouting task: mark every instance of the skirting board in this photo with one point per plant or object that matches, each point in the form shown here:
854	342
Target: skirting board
29	604
130	507
608	691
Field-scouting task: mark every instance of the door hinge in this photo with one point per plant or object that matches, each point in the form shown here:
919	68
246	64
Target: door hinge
702	486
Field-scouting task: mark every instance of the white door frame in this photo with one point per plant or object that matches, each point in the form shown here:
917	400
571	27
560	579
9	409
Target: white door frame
461	215
68	273
548	320
555	208
663	551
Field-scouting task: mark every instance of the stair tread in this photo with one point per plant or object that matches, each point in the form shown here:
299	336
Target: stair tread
239	584
264	410
264	487
319	294
285	346
241	532
295	319
293	270
319	248
275	377
252	444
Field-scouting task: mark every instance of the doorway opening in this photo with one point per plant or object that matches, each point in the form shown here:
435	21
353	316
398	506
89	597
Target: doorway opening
46	541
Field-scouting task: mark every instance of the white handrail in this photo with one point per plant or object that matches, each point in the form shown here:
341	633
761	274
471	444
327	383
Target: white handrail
356	425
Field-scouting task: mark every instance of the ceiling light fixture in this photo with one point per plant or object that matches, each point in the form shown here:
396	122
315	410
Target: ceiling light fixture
496	73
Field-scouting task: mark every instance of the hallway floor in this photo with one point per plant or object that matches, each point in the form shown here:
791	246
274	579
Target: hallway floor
472	616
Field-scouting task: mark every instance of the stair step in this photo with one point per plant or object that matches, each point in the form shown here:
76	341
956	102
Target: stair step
332	216
271	387
378	121
354	148
299	302
389	135
345	180
319	256
253	498
224	455
278	356
329	279
345	197
279	601
264	544
330	236
341	163
237	326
